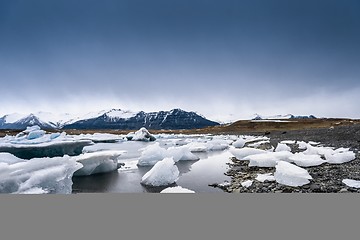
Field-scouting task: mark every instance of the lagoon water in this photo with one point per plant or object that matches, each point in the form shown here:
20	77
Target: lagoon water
194	175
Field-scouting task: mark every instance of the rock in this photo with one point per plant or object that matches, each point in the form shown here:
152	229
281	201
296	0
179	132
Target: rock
343	190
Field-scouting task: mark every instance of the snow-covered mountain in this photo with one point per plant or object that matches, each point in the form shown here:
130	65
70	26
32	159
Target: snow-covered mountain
108	119
286	116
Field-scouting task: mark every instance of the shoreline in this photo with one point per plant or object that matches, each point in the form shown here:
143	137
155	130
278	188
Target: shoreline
327	178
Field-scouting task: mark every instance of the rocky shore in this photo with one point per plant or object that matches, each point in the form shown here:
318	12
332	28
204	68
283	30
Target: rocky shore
327	178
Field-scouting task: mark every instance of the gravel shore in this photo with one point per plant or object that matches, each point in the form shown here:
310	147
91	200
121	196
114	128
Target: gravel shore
327	178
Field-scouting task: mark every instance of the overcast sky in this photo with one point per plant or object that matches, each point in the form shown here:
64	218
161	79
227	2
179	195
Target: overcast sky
224	59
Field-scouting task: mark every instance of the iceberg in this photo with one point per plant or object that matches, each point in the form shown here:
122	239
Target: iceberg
141	135
103	146
304	160
177	189
291	175
351	183
265	177
35	143
37	175
151	155
182	153
163	173
97	162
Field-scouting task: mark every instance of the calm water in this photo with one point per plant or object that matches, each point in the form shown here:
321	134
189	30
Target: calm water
194	175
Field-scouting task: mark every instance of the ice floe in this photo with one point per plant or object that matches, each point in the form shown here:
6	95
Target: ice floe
268	159
304	160
163	173
291	175
37	175
265	177
97	162
239	143
240	154
282	147
351	183
177	189
151	155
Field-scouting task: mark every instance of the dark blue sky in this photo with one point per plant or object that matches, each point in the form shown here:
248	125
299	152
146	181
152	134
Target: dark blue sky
215	57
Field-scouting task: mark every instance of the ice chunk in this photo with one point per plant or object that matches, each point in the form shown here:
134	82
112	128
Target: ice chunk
258	144
177	189
302	145
340	157
151	155
247	183
291	175
217	145
265	177
288	141
351	183
103	146
240	154
197	147
9	158
163	173
268	159
35	134
282	147
239	143
38	175
31	129
304	160
97	162
102	137
181	153
141	135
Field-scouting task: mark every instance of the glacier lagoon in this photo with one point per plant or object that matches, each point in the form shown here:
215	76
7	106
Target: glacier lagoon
194	174
176	162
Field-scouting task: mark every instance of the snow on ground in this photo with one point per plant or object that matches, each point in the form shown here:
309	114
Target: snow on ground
177	189
265	177
351	183
97	162
37	175
291	175
163	173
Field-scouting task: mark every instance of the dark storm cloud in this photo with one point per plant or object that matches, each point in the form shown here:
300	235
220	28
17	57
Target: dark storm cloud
229	53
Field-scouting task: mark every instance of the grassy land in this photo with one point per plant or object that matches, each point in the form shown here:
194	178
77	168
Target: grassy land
239	127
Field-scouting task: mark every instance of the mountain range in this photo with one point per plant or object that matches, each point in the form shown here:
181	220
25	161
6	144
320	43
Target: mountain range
286	116
108	119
